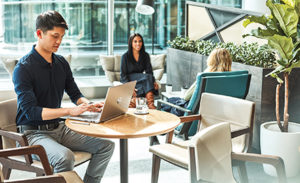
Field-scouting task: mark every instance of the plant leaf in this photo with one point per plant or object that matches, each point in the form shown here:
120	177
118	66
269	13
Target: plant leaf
277	70
274	74
254	19
284	45
263	33
289	2
296	45
296	55
279	80
297	7
286	16
273	24
282	62
296	64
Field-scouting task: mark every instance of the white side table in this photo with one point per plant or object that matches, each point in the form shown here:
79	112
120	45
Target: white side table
166	95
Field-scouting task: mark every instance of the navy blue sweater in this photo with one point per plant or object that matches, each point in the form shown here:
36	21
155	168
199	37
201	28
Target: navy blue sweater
39	84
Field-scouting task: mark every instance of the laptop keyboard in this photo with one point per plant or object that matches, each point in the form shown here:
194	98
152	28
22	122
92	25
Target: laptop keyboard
87	116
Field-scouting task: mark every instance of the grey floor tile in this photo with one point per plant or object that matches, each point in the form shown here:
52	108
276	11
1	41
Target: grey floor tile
140	168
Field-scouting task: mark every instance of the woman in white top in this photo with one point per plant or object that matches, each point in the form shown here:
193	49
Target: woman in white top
219	60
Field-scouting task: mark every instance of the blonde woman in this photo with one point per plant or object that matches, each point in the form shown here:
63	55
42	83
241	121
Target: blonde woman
219	60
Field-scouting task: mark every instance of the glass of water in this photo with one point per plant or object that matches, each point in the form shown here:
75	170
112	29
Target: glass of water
141	105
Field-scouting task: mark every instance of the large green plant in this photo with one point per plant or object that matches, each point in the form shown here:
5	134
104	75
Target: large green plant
250	54
280	28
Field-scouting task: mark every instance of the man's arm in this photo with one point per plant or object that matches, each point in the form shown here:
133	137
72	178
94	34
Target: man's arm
49	113
83	104
82	100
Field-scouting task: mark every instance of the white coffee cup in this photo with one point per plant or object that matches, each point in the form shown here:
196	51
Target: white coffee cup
141	105
169	88
183	91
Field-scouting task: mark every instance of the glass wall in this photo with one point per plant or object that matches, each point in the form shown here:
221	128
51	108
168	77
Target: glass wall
87	34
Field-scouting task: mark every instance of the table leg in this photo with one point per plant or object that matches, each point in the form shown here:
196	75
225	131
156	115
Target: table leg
124	160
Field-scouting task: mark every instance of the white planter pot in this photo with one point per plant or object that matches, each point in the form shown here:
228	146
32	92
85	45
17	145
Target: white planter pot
285	145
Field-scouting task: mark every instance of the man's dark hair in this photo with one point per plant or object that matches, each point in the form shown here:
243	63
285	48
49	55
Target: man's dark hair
50	19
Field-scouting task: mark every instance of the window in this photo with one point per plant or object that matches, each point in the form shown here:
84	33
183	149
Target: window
87	34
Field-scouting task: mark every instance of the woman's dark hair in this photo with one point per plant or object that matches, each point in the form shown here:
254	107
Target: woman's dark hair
130	44
50	19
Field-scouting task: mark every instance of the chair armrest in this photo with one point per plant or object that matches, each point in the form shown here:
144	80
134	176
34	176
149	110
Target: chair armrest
20	138
159	102
190	118
35	149
240	132
275	161
45	179
183	119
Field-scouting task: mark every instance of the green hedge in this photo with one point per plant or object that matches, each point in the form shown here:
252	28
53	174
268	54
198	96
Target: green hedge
247	53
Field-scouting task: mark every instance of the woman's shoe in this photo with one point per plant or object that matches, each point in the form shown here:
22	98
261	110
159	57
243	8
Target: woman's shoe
132	103
150	100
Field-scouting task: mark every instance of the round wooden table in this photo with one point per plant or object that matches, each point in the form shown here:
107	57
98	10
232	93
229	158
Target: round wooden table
127	126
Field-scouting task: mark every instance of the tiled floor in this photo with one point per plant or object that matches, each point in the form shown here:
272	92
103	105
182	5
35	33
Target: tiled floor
140	167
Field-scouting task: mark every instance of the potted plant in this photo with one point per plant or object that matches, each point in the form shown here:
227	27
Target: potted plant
281	30
189	57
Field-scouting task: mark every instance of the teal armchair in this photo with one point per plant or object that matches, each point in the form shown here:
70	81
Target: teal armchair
233	83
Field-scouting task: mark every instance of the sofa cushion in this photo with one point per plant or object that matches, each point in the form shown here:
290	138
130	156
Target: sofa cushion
10	62
108	65
68	58
9	65
118	67
112	64
158	64
158	61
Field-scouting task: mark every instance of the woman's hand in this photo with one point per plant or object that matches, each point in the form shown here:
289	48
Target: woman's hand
155	86
134	92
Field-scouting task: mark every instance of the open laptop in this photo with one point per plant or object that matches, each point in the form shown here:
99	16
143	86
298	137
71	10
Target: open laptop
116	103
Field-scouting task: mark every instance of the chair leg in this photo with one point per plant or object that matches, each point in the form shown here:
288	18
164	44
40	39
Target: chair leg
192	165
6	172
155	168
153	140
38	174
186	136
242	171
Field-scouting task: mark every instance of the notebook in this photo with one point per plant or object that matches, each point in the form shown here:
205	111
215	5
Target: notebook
116	103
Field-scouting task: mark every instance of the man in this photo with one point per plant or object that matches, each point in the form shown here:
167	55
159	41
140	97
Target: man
40	79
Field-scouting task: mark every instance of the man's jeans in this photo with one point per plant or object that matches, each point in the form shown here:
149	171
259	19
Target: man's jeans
59	144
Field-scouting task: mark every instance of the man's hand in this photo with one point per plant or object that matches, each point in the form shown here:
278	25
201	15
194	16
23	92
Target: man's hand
95	107
75	111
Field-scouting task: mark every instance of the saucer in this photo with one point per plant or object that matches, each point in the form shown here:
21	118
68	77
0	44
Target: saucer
140	113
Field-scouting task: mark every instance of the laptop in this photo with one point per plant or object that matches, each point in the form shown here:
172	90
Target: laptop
116	103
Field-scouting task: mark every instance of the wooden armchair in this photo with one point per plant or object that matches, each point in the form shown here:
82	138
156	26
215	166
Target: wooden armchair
233	83
8	138
214	109
64	177
210	156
